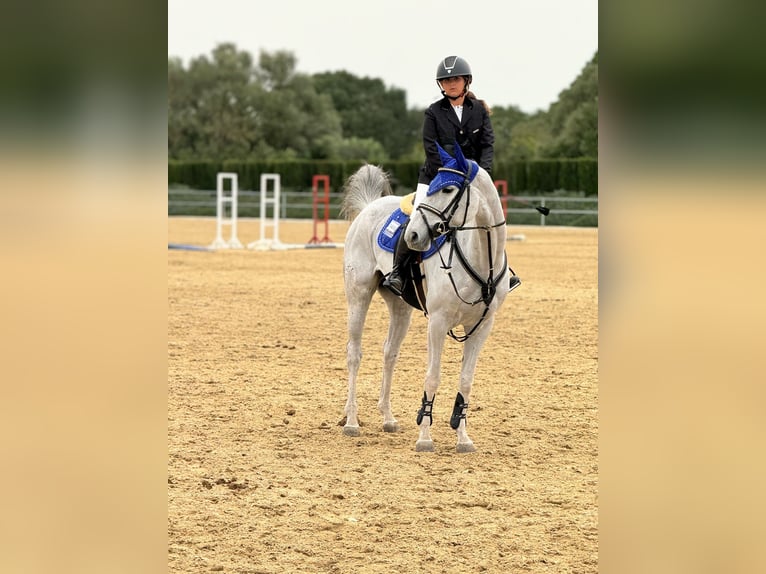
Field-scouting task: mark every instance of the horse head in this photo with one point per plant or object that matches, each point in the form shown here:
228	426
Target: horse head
446	193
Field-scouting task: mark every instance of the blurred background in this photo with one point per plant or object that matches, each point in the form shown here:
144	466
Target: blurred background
83	128
681	124
84	158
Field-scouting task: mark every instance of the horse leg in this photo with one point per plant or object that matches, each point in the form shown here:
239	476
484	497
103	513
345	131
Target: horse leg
358	298
471	349
400	314
436	335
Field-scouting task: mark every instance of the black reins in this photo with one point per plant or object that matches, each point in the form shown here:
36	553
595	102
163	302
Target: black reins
444	227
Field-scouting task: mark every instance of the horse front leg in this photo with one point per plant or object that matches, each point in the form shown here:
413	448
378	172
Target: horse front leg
400	317
358	304
471	349
436	335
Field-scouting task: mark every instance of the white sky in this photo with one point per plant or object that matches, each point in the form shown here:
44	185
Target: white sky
522	53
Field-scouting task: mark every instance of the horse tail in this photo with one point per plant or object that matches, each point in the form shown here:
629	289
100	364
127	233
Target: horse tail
365	186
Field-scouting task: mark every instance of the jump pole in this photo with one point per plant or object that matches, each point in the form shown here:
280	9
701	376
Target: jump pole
267	199
222	201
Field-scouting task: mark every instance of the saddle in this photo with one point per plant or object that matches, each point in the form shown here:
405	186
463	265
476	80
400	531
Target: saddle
389	235
413	292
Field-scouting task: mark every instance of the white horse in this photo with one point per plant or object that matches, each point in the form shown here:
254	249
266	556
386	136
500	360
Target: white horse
467	280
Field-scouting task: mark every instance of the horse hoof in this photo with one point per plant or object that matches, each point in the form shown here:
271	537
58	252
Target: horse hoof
466	447
424	446
391	427
351	430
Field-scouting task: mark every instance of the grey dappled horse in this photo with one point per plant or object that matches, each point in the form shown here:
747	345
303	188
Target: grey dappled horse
467	280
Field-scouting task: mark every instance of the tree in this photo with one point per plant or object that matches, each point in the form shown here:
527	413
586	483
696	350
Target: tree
573	117
368	110
225	108
353	148
181	118
504	122
212	106
579	135
297	120
530	137
569	128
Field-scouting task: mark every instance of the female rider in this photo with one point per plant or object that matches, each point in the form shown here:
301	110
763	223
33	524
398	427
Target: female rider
458	117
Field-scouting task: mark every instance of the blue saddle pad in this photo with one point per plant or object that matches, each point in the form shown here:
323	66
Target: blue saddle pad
391	231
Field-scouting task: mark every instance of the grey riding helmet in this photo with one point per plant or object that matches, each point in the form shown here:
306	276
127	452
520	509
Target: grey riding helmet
453	66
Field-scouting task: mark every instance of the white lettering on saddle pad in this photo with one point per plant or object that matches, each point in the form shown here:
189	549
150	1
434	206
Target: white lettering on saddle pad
391	228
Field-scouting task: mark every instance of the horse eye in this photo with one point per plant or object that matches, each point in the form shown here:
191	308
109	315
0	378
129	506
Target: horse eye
449	189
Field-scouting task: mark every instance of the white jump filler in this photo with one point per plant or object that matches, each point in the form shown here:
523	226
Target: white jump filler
222	202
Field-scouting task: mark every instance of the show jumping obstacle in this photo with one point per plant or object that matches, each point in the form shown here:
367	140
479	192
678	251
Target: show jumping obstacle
270	194
226	212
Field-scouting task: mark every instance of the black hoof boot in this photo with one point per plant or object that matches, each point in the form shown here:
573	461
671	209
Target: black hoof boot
425	410
458	411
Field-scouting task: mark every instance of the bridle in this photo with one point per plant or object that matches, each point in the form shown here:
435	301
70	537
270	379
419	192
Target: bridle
444	227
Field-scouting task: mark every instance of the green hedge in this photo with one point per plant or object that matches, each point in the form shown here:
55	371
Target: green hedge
530	176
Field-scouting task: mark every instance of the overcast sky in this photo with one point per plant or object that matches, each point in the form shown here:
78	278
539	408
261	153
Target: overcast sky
522	53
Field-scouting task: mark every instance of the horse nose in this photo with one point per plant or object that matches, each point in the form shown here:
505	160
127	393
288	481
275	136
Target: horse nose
414	240
411	238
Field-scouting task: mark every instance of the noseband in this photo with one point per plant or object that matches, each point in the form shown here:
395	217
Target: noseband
444	227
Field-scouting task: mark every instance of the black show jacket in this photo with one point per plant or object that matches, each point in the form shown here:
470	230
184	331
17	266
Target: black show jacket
473	133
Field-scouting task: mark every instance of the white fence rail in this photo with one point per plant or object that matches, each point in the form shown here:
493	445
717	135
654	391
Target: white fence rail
299	204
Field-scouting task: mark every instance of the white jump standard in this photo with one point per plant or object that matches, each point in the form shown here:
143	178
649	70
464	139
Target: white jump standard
264	243
222	201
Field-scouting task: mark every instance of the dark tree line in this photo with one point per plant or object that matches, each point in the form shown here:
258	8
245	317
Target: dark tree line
227	107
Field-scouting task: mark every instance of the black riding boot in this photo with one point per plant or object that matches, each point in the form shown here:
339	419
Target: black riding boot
395	281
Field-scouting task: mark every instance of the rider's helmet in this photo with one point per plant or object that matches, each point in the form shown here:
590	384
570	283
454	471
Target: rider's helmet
453	66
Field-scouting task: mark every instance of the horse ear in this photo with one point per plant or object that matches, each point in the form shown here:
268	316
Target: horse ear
462	163
446	158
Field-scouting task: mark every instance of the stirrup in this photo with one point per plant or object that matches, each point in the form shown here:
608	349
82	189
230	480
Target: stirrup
397	287
515	282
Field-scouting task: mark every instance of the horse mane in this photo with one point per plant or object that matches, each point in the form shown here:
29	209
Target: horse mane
367	184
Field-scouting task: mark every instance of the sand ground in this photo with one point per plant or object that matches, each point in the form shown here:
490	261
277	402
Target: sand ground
261	478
